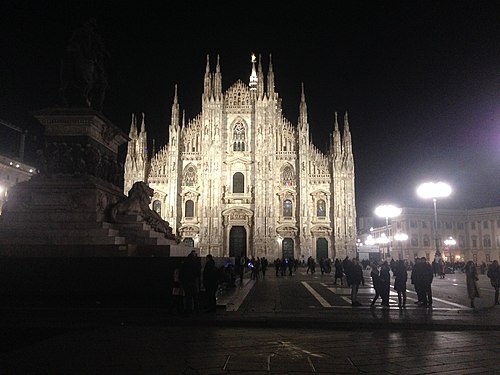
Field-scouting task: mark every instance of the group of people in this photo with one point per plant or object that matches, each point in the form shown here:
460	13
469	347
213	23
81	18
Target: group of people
189	276
422	275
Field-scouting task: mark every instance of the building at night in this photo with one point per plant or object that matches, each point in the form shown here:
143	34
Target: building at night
475	235
241	179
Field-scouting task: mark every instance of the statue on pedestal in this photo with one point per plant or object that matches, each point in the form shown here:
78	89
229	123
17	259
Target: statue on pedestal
83	78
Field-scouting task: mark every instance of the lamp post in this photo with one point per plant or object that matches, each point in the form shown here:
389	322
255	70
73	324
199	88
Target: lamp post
387	211
434	190
450	242
400	237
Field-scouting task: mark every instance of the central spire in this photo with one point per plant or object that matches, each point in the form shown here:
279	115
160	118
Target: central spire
253	76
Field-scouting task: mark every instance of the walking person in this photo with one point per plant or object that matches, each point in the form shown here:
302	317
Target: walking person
354	279
385	276
190	280
427	277
377	283
263	265
400	282
416	281
471	279
339	272
211	282
494	275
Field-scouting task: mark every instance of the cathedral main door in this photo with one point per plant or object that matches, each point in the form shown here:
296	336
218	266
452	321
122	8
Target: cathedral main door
238	242
287	248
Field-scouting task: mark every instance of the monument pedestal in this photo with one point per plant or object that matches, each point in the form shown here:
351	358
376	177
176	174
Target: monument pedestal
65	207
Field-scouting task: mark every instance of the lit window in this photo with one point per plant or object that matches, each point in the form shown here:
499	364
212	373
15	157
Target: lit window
238	183
287	208
189	208
321	208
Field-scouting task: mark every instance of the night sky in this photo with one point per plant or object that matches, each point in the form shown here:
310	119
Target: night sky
419	79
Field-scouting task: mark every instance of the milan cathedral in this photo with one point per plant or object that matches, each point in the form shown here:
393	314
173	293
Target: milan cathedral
241	179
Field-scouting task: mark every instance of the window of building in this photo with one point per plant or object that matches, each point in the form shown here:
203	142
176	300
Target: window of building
461	242
488	258
157	207
427	241
414	242
460	226
485	224
321	208
472	225
189	208
498	241
498	223
486	241
424	224
288	176
413	224
189	176
287	208
448	225
238	183
239	137
474	242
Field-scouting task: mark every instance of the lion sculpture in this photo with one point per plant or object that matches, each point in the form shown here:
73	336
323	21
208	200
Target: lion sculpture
137	203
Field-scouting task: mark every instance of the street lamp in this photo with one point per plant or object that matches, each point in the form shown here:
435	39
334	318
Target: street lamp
387	211
400	237
449	243
434	190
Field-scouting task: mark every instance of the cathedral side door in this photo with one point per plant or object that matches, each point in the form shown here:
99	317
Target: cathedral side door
321	248
237	242
287	248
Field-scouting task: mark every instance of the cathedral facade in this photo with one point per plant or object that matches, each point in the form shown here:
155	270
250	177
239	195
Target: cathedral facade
241	179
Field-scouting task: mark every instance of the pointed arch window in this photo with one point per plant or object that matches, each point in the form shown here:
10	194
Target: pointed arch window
287	208
321	208
189	176
239	137
238	183
288	176
189	208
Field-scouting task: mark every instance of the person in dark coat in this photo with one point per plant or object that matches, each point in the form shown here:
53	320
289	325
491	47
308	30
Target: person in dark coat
354	279
190	280
494	276
428	276
339	272
385	276
417	280
471	279
377	283
400	282
211	282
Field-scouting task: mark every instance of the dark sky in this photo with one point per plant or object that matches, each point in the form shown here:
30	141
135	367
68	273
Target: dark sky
420	79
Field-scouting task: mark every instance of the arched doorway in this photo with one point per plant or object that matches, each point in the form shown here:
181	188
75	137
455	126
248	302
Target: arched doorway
238	242
321	248
287	248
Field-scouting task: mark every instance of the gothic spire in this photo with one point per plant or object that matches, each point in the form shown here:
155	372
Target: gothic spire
260	79
337	143
270	79
174	120
143	124
253	76
302	109
218	80
133	128
347	143
207	82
